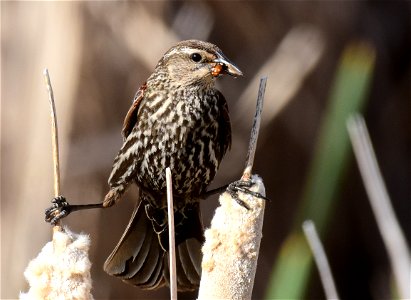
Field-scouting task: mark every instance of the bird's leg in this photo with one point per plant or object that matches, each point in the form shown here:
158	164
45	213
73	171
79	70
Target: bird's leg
61	209
244	187
235	187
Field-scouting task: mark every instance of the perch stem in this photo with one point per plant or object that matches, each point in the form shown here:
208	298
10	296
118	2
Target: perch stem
252	146
320	259
54	141
172	245
392	235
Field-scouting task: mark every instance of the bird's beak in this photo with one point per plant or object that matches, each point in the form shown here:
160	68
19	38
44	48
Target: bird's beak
224	66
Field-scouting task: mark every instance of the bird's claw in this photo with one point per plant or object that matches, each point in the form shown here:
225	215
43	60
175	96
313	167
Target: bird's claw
244	187
59	209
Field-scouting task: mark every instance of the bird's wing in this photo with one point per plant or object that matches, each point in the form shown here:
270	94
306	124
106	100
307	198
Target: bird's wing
224	128
123	170
131	118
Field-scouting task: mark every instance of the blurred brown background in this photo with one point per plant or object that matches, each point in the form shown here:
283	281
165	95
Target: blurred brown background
98	53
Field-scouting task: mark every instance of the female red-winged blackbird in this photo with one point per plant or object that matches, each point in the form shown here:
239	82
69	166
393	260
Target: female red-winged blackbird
178	119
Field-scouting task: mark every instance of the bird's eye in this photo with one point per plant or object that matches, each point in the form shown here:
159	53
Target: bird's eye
196	57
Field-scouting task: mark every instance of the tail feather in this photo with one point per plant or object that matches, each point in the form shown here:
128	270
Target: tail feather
188	265
156	280
183	282
139	259
194	250
150	262
148	254
130	245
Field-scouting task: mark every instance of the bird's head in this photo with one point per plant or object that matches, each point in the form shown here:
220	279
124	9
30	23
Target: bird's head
194	62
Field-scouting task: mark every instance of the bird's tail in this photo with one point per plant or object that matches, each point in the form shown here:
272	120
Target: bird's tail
141	256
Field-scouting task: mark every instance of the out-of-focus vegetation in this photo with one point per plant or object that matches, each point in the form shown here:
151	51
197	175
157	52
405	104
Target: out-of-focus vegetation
98	53
320	196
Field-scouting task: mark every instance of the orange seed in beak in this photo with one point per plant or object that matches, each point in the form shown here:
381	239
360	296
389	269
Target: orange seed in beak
216	70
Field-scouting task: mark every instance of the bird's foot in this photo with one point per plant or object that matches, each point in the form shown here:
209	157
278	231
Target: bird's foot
60	209
244	187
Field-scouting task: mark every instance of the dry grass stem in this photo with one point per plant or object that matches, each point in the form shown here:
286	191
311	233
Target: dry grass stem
171	236
391	232
320	259
252	146
54	134
54	142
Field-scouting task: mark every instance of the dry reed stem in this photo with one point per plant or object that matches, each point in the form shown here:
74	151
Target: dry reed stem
252	146
171	236
320	259
54	142
392	235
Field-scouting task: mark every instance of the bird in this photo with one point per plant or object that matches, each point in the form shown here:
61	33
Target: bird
177	119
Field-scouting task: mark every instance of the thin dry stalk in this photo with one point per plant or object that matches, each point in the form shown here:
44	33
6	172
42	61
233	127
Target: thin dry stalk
54	134
320	259
391	232
171	236
54	141
62	268
252	146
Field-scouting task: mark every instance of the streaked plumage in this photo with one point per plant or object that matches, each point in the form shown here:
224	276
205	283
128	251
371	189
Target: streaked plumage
178	120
